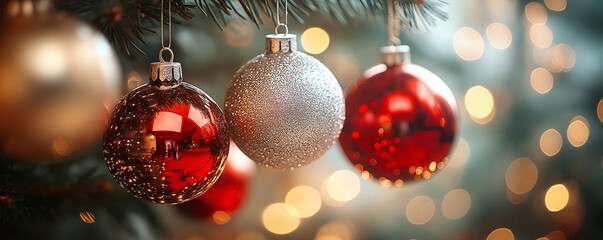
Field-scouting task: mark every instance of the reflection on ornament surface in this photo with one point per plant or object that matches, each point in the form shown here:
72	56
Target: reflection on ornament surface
400	124
166	145
227	194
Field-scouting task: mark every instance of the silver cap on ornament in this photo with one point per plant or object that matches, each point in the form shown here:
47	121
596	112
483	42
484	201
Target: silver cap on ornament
395	55
164	73
281	43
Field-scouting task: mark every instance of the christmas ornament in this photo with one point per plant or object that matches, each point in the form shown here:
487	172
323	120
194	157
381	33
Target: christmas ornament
166	141
228	192
284	108
58	75
401	120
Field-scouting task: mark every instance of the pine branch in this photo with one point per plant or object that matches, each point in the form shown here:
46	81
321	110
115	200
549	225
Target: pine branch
125	22
41	194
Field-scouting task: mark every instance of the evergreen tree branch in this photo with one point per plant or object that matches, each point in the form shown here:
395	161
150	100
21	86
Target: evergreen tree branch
125	22
37	195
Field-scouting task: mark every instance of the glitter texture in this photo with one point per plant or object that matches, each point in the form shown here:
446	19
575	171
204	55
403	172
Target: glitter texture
166	145
284	109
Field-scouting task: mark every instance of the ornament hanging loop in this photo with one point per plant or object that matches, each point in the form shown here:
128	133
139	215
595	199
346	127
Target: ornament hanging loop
278	17
169	51
163	46
281	25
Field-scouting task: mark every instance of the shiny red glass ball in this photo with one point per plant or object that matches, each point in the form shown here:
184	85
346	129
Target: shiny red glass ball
401	122
228	192
166	145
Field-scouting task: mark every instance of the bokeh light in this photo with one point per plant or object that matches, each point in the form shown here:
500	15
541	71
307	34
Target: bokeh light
501	234
480	104
556	198
315	40
305	199
420	210
239	33
220	217
556	5
578	131
277	219
521	175
499	35
556	235
87	217
134	80
550	142
536	13
564	56
48	59
343	185
600	110
541	80
468	44
461	154
62	146
250	235
456	204
541	36
334	231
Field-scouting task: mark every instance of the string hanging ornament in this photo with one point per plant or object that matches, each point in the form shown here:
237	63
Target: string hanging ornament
284	108
166	141
401	119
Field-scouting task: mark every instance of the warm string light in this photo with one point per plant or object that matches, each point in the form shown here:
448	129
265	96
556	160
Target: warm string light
499	35
468	44
239	33
479	103
556	198
501	234
305	199
461	154
521	176
550	142
87	217
578	131
541	80
277	219
456	204
315	40
334	231
420	210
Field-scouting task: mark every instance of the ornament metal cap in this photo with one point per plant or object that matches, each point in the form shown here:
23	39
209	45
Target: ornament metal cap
395	55
164	73
281	43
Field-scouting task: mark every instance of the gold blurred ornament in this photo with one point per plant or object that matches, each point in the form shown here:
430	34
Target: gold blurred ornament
58	76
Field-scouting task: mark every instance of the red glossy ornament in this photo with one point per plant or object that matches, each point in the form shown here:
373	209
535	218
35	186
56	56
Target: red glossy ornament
227	194
401	120
166	141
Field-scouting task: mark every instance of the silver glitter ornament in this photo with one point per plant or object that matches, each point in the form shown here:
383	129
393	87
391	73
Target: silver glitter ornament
284	108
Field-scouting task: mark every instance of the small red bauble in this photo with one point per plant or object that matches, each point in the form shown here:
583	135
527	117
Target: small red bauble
227	194
401	120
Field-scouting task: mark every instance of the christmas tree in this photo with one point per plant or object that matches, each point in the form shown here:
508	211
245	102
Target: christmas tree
525	160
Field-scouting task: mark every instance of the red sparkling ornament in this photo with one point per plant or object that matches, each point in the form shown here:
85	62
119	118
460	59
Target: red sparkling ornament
227	194
166	141
401	121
